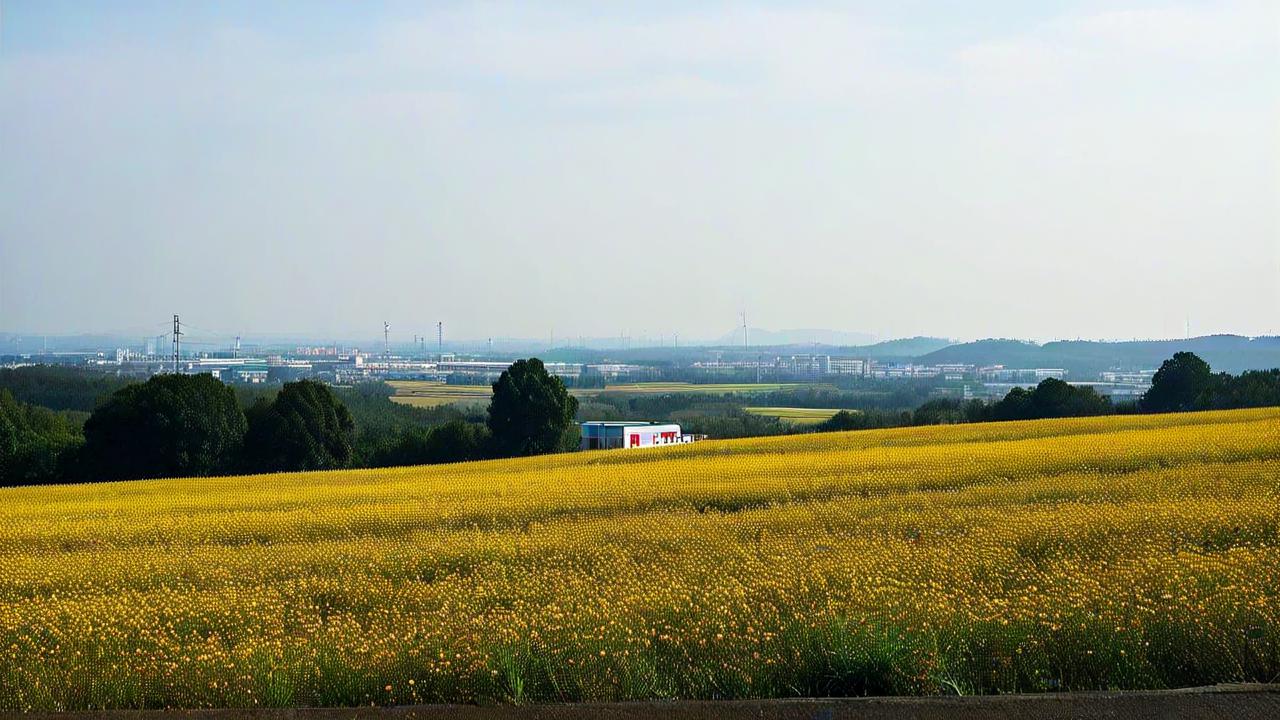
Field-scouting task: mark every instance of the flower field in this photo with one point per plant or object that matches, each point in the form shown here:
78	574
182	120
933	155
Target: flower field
1121	552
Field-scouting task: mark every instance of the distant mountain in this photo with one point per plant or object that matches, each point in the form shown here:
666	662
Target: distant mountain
1086	358
760	336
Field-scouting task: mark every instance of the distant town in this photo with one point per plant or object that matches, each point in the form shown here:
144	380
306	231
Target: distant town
1120	371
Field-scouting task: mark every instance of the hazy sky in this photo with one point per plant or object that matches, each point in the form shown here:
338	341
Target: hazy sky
1028	169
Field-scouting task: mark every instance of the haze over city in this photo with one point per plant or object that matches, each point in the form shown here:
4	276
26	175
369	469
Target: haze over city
1033	170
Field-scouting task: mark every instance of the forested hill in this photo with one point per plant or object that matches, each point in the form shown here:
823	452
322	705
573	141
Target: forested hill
1085	358
903	347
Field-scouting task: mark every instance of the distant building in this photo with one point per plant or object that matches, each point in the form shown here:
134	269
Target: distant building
228	370
1002	374
1128	377
1117	392
893	370
810	367
614	371
288	370
469	372
846	366
326	350
602	435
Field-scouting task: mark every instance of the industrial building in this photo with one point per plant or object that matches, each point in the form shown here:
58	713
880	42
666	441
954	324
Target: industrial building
228	370
1000	373
605	435
617	371
472	372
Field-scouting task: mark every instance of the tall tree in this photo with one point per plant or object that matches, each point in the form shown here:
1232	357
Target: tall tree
305	428
169	426
531	411
35	442
1178	384
1052	398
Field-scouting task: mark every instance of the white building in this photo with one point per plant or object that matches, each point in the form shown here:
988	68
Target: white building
846	366
1131	377
604	435
809	366
1002	374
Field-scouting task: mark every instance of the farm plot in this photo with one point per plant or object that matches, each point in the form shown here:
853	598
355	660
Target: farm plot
1120	552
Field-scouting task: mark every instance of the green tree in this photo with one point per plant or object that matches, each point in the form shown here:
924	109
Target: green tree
1052	398
1252	388
169	426
455	441
1016	405
531	411
864	420
939	411
304	428
1178	385
60	387
36	443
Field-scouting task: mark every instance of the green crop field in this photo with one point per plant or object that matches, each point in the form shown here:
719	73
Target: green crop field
660	388
797	416
421	393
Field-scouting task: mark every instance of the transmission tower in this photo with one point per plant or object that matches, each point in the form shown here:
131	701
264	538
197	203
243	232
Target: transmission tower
177	334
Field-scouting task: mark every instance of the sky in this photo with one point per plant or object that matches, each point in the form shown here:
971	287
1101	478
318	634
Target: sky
966	170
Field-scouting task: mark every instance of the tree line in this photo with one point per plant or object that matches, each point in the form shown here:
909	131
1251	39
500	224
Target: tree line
1183	383
178	425
194	425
